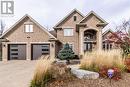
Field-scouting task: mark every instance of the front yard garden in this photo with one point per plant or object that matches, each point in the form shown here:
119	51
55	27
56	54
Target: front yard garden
52	73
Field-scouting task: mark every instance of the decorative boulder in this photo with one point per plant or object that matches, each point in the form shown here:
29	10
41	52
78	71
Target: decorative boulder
83	74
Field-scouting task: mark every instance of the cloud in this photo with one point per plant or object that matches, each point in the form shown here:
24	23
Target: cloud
49	12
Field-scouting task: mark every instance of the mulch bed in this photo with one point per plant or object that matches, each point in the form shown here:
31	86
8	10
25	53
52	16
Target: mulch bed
70	81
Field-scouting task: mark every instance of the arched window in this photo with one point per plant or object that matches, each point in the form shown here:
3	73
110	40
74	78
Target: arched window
89	35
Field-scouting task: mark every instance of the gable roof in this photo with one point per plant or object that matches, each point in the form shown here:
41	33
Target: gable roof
114	38
26	15
74	10
92	12
109	30
53	32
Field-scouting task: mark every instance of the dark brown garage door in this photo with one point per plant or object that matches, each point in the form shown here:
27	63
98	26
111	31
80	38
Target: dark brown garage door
17	51
40	49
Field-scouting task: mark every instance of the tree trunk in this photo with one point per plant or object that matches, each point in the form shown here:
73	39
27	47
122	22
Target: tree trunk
67	62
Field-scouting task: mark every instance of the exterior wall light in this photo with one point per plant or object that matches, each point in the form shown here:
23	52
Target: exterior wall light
4	45
52	45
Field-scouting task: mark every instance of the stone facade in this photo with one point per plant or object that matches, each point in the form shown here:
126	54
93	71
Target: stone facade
87	34
83	23
17	35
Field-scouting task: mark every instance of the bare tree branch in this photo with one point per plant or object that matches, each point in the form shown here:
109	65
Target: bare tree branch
2	27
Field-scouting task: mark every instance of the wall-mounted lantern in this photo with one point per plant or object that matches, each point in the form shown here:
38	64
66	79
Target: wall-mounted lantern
52	45
4	45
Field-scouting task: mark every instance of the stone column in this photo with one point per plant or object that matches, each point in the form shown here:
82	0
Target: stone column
52	49
100	39
81	39
28	51
4	51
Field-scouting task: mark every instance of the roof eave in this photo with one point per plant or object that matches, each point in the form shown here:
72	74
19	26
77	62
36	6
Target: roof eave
26	15
102	24
4	40
107	32
80	25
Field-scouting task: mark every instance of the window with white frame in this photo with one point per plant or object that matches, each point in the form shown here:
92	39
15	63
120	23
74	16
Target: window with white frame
68	31
71	46
107	46
28	28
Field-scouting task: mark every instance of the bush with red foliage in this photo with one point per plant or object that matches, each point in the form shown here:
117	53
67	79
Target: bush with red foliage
104	69
127	63
117	73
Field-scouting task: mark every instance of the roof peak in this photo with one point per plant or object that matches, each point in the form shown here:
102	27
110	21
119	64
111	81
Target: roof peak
95	14
26	15
72	11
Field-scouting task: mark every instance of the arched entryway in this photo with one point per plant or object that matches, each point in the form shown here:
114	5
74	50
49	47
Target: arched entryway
90	37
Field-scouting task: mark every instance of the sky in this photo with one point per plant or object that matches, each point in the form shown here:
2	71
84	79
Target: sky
50	12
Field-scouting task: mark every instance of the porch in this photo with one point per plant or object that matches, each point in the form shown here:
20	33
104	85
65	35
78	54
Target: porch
90	39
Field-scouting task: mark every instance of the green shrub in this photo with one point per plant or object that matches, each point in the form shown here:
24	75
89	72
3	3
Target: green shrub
66	53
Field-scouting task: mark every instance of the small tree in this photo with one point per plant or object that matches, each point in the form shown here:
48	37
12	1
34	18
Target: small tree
2	27
123	35
66	53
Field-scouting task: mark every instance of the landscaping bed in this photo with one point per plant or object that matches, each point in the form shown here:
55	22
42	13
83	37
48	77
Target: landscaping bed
100	82
95	69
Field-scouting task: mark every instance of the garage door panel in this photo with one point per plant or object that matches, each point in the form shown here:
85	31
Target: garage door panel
36	51
22	52
40	49
17	51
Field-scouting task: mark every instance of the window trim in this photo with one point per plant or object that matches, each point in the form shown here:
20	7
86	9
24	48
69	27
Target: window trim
72	45
29	28
68	35
107	46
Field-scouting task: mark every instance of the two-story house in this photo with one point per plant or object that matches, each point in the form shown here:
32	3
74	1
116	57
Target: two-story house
83	33
28	40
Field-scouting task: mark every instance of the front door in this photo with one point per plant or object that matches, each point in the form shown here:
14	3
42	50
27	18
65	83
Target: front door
88	46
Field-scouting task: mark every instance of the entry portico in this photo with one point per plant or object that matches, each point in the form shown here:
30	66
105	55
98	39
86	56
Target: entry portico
90	32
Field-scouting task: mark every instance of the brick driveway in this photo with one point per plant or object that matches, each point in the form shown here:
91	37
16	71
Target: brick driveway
16	73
